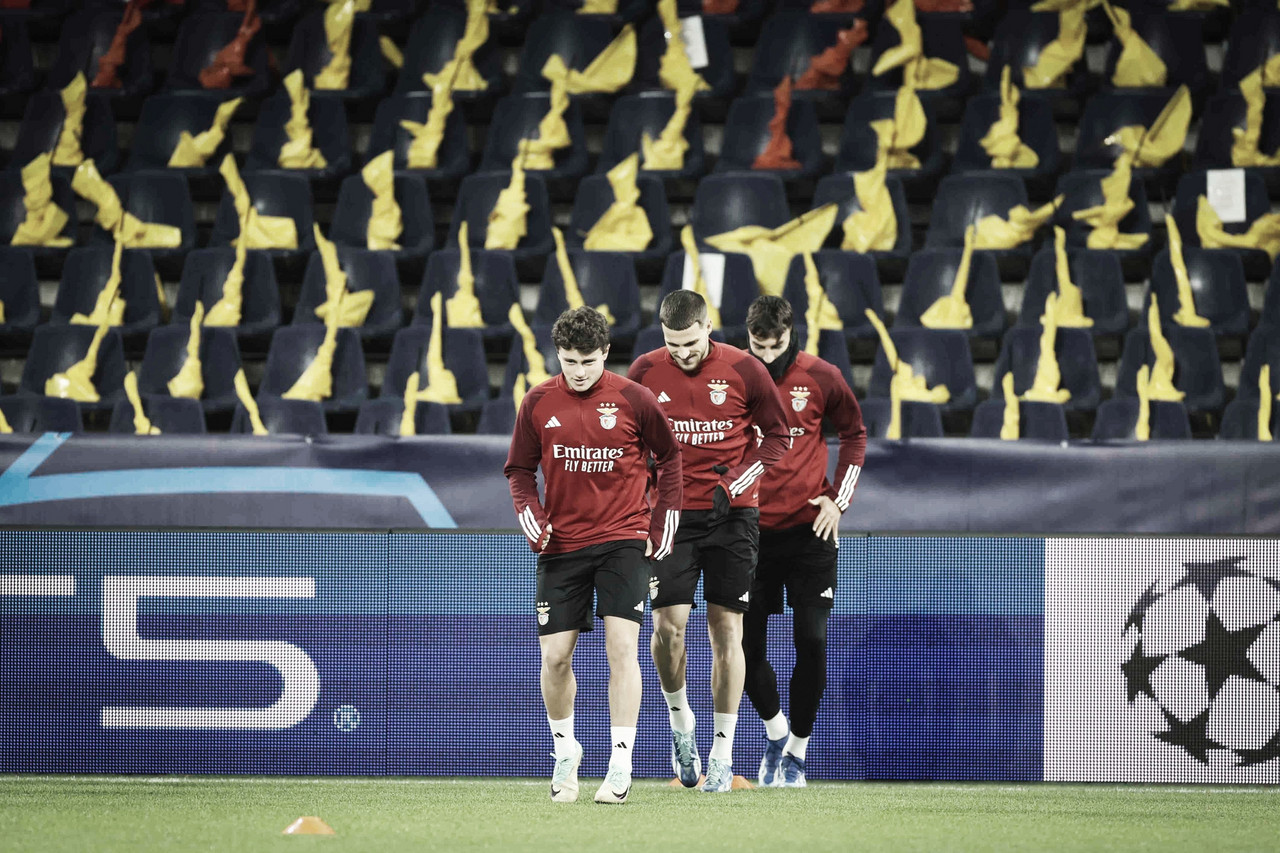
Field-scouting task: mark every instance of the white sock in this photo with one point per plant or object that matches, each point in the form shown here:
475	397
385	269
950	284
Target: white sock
776	727
678	710
624	739
722	743
796	746
562	736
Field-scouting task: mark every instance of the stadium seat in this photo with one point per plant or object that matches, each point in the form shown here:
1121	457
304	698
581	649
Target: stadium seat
1118	417
329	127
1254	38
746	135
858	143
382	416
365	269
205	271
603	278
17	70
635	115
1036	421
463	357
28	413
1192	185
851	284
594	197
1036	130
293	349
518	364
1217	287
163	119
296	417
840	188
497	417
739	290
496	286
941	356
649	338
516	118
744	22
931	275
170	415
943	39
453	157
575	38
432	41
1019	38
1197	369
85	36
725	202
160	197
54	348
166	353
919	420
20	296
86	271
1083	189
1239	420
1178	39
476	199
274	194
626	10
309	50
1101	282
789	40
1107	112
833	348
962	200
42	125
718	72
1077	363
350	226
200	37
1271	301
13	212
1263	348
1225	113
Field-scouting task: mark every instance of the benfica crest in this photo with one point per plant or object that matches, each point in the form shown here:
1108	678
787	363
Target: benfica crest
799	398
608	415
718	389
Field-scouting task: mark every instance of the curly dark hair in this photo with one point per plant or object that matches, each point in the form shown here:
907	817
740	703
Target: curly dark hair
583	329
769	316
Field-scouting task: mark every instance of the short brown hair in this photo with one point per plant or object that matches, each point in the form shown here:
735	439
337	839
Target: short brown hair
680	309
769	316
582	329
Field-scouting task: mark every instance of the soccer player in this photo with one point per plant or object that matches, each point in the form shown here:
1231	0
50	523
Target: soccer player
799	515
592	432
713	395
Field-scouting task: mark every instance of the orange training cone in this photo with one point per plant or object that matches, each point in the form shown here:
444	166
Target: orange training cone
739	783
308	826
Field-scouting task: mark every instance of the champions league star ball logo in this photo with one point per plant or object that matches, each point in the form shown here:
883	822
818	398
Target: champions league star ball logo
1207	653
799	398
608	415
718	390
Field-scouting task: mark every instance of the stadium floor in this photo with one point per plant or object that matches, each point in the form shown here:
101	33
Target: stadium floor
140	814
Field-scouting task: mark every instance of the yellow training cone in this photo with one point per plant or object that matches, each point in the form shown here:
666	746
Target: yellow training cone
1186	314
1263	233
608	72
874	225
339	21
571	292
996	232
1161	385
385	223
508	219
771	249
952	311
298	152
667	151
674	69
189	380
1001	142
141	423
44	220
464	306
694	259
1068	308
226	311
623	227
1059	56
308	826
1044	387
821	315
67	150
250	405
194	151
108	308
1011	427
117	221
536	365
76	382
442	387
1138	64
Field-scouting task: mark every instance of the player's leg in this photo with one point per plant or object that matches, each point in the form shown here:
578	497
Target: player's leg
761	680
622	583
563	606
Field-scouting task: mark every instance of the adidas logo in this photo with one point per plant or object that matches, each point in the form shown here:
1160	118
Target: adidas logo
827	593
719	734
552	424
557	734
745	596
640	607
620	745
663	398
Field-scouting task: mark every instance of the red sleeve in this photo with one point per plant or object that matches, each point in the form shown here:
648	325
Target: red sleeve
655	431
638	369
767	413
521	471
844	413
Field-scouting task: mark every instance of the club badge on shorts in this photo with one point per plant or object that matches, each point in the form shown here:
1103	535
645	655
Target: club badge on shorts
653	588
608	415
718	389
544	611
799	398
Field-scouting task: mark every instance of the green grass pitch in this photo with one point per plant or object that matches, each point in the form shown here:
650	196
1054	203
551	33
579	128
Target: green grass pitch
136	814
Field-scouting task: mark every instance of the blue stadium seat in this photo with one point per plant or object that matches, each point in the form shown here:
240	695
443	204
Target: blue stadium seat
381	416
29	413
725	202
164	117
1118	417
627	10
1077	362
20	295
292	350
635	115
200	37
943	39
594	197
649	338
851	282
17	70
496	286
1107	112
1192	185
160	197
718	73
1217	286
273	194
1036	421
171	415
1101	282
82	40
919	420
55	348
789	40
497	417
746	134
42	125
964	199
365	270
1239	420
453	157
463	357
85	272
1197	369
1254	39
931	275
293	417
1019	38
518	364
743	22
833	348
1224	113
1083	189
575	38
941	356
1263	348
309	50
858	143
350	226
516	117
328	119
603	278
1177	39
1036	129
431	44
476	199
166	353
1271	301
203	275
839	188
13	212
739	291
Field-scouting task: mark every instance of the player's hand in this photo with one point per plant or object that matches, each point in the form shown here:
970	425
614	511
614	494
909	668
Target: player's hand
719	496
826	525
545	540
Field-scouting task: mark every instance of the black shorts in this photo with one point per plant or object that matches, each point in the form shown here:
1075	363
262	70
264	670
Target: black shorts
799	561
724	555
615	571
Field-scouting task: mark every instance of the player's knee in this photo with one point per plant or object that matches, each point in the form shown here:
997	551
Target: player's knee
557	660
811	634
668	633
